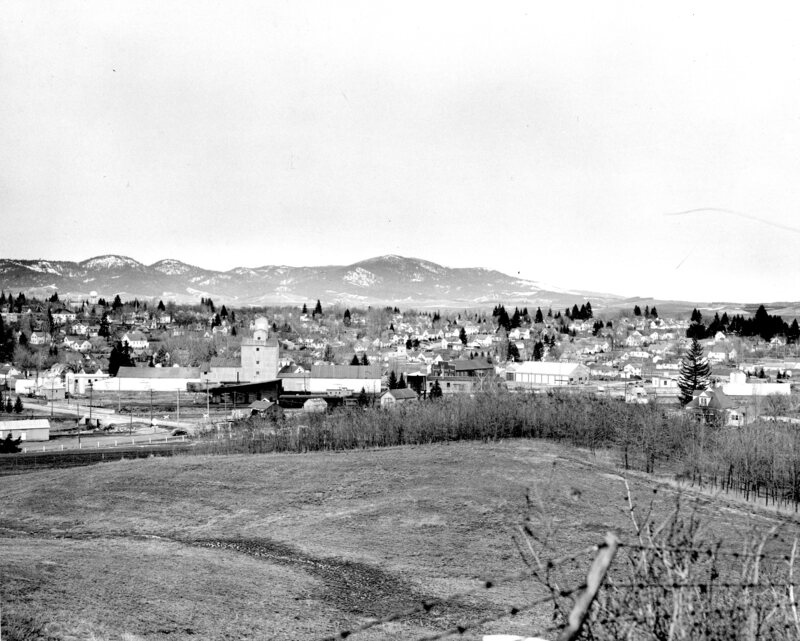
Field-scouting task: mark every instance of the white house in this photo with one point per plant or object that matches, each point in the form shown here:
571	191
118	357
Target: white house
39	338
136	340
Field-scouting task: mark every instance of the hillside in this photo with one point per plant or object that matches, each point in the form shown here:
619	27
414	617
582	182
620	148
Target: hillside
302	546
385	280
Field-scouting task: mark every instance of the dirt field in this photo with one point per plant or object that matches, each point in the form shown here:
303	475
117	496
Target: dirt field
303	546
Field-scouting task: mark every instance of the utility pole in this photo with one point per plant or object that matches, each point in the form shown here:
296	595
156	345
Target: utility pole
178	392
151	407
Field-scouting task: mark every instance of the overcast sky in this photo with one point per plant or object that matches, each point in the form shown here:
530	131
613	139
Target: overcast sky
557	141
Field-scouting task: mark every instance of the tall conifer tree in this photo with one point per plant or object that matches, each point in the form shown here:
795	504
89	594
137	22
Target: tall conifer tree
694	372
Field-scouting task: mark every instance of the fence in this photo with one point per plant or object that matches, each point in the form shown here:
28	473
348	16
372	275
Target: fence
27	462
672	584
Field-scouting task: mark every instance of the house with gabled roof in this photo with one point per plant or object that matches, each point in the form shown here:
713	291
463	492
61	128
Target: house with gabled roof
393	397
136	340
713	406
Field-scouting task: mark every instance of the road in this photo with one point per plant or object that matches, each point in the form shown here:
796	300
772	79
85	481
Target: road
107	416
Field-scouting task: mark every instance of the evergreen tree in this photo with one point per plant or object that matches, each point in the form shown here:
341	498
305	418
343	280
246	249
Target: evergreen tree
305	309
694	372
9	406
161	307
117	304
18	407
512	352
346	318
10	445
794	332
538	318
363	400
647	311
538	350
223	312
696	316
318	308
436	390
364	359
120	357
653	312
105	328
576	313
402	384
637	311
355	360
392	380
462	336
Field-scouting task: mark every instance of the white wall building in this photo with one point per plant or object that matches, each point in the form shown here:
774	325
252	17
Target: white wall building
535	373
35	429
738	386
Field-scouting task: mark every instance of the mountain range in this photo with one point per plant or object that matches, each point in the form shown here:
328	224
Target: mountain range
384	280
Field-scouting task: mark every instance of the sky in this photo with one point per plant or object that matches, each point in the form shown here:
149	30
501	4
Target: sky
641	149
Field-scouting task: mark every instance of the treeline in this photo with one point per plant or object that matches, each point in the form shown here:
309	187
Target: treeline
519	318
762	324
643	434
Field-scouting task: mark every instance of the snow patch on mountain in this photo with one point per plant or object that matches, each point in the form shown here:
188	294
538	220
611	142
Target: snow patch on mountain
171	267
360	277
110	262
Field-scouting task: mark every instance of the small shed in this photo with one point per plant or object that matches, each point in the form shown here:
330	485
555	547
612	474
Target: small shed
398	396
33	429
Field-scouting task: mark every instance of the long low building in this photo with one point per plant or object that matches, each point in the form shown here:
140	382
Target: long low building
34	429
540	373
332	379
144	379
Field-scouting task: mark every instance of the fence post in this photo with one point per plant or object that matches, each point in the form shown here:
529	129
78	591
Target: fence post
593	582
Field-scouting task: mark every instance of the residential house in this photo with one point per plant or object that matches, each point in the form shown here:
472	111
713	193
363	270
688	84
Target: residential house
713	406
40	338
136	340
394	397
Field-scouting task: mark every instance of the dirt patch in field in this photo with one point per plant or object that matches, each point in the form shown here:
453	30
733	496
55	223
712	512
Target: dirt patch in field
350	586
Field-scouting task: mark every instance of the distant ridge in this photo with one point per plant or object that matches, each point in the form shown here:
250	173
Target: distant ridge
382	280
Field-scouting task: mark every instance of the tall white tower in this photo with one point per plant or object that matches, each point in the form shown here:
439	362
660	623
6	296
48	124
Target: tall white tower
259	354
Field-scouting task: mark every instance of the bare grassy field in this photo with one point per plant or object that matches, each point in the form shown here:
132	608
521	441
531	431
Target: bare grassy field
287	546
